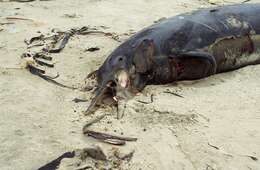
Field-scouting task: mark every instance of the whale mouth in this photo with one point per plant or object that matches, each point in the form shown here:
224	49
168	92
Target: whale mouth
113	91
103	93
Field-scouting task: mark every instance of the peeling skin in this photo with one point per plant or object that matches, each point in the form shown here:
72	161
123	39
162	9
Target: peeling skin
236	23
232	21
236	52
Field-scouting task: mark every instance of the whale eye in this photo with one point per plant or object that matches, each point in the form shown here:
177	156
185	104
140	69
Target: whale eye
120	59
118	62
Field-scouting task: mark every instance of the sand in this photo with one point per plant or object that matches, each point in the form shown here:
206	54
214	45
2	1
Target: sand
214	126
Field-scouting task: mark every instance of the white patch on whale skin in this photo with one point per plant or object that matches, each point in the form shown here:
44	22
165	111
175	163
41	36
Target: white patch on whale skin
199	40
233	22
181	17
245	25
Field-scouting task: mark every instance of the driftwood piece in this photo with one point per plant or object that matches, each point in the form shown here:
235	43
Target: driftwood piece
19	18
104	137
6	23
111	139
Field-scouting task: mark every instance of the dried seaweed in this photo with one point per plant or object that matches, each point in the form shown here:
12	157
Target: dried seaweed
53	43
222	151
92	49
22	1
77	100
173	93
19	18
145	102
6	23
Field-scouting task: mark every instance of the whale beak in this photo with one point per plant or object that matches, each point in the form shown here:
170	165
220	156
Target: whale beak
103	92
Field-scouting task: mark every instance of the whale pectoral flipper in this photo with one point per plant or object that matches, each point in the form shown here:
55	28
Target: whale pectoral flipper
194	65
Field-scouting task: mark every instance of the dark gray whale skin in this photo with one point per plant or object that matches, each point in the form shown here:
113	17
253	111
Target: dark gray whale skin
187	46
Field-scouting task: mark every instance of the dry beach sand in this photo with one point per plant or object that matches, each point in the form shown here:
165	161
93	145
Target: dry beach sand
214	126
